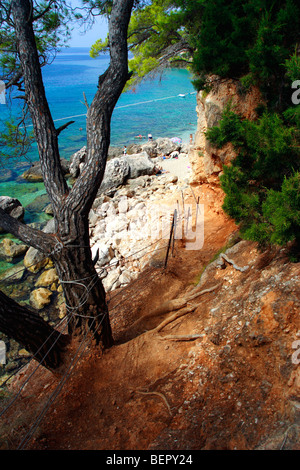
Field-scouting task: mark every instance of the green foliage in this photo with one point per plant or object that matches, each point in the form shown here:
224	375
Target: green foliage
281	209
153	32
230	129
98	47
50	22
156	39
292	65
260	189
251	40
15	142
257	42
221	42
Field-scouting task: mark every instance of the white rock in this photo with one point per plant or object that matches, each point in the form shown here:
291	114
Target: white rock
123	205
99	229
140	206
117	224
114	262
125	277
104	207
105	252
112	211
116	284
110	280
93	218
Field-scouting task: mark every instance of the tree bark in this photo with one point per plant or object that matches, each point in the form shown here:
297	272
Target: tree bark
69	247
29	329
84	294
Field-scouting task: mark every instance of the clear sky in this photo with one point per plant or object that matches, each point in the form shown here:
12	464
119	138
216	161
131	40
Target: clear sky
86	39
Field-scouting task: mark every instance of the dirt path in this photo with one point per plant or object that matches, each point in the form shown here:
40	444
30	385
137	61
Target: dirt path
151	392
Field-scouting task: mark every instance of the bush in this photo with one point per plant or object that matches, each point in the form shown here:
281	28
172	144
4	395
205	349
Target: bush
281	210
262	181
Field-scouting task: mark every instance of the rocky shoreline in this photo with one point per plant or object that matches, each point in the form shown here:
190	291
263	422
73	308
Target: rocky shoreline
132	185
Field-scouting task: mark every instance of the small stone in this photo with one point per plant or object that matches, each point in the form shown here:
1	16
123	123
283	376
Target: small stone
23	353
39	298
10	250
34	260
47	278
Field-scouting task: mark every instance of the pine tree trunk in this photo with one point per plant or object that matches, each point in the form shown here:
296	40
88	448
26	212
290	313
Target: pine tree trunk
46	344
84	294
69	246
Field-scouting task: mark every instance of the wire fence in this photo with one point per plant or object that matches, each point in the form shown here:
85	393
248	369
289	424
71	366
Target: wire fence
87	338
75	359
72	312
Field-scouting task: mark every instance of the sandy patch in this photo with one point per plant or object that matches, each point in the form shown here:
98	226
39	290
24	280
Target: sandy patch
177	166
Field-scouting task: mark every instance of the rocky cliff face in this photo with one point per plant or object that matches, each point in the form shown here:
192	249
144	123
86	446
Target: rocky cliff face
207	161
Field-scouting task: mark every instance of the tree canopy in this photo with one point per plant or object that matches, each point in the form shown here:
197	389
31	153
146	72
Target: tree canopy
156	40
262	183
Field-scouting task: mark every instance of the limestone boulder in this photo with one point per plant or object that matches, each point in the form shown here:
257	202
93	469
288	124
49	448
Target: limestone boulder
103	250
40	297
47	278
9	250
117	224
139	165
39	204
34	173
13	207
35	260
166	146
75	161
114	152
116	172
13	275
150	148
125	277
111	281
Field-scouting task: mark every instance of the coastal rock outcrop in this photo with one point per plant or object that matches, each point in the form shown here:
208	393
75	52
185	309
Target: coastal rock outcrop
13	207
34	173
9	250
120	234
75	162
40	297
139	165
34	259
116	172
163	146
207	161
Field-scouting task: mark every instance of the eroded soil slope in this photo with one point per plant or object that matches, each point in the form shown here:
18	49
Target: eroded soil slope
203	358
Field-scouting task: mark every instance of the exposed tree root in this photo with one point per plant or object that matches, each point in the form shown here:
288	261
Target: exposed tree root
180	337
180	313
175	304
159	395
230	261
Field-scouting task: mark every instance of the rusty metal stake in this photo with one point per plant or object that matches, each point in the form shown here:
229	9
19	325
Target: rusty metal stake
170	239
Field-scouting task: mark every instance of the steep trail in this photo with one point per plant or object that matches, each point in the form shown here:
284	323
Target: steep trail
219	377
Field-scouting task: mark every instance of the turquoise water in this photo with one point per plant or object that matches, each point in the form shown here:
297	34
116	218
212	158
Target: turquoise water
153	107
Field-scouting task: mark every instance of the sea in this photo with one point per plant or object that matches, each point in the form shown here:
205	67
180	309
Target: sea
164	106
